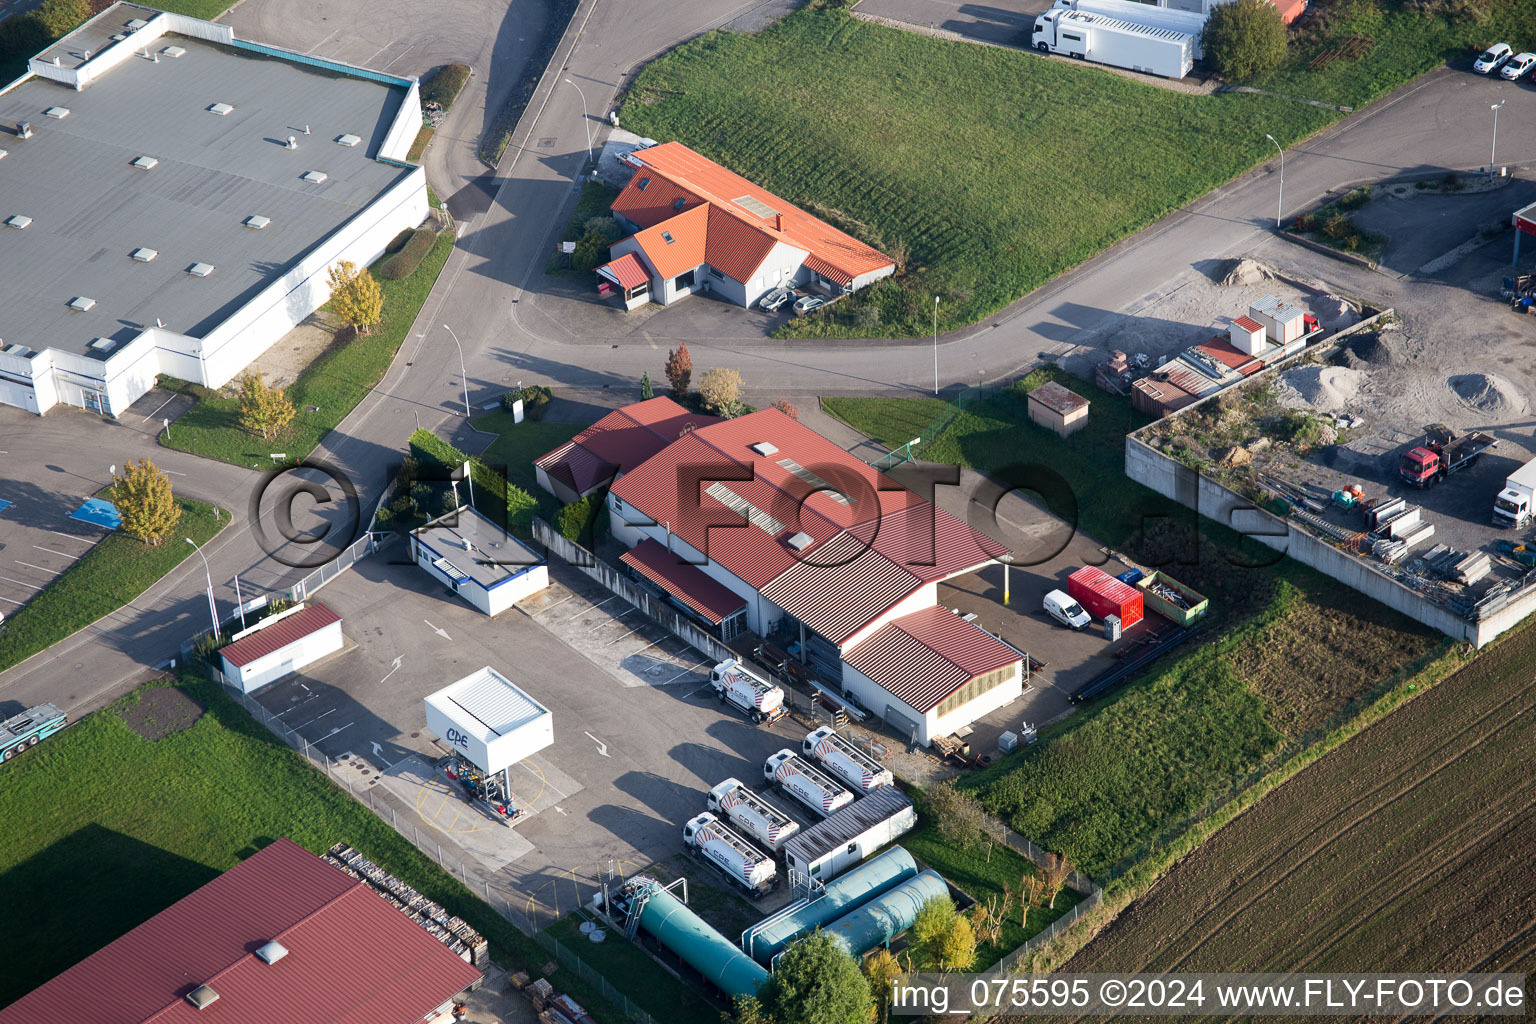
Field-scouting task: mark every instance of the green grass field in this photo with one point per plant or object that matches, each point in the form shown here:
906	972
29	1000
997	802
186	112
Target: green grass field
1288	653
334	383
517	445
995	169
118	828
114	572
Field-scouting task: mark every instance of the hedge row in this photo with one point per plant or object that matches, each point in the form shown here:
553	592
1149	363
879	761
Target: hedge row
536	399
404	261
443	84
582	521
491	488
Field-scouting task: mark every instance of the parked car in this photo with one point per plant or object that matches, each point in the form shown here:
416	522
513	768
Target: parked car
1495	57
1065	610
1518	66
775	299
808	303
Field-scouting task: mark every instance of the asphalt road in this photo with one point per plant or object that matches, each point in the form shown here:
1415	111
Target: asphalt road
1440	121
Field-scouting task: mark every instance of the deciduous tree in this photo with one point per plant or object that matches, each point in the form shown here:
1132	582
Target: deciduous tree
144	502
926	937
1245	39
882	970
679	370
1055	874
956	814
356	297
957	947
786	407
647	392
721	390
263	410
817	982
60	17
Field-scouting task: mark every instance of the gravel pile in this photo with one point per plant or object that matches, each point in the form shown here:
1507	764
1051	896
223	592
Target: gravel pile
1488	393
1319	388
1246	271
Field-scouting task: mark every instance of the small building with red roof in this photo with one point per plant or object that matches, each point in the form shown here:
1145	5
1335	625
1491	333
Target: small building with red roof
280	645
698	226
281	936
761	524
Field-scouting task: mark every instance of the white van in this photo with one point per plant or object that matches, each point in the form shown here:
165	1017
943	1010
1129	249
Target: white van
1065	610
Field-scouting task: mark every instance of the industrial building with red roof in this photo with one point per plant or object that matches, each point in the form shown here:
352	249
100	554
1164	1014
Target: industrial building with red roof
619	441
700	226
759	524
282	936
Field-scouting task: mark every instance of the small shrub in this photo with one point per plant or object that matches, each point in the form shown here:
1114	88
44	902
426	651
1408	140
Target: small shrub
1305	223
403	263
443	84
1338	227
607	227
867	315
1450	182
1356	198
536	399
577	521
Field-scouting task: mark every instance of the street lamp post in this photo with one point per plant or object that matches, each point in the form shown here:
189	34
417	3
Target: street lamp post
1494	150
1279	200
586	122
463	373
213	610
935	344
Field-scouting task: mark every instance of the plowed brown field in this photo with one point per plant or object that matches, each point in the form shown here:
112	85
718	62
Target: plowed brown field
1411	847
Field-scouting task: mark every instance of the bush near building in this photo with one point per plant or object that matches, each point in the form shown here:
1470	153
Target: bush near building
493	494
1245	39
535	398
406	254
443	84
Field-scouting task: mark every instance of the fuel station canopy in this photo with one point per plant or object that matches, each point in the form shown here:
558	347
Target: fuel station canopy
489	721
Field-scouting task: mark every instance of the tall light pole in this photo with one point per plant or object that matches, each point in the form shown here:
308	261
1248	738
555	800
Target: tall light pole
1493	151
586	122
213	610
935	344
1280	200
463	374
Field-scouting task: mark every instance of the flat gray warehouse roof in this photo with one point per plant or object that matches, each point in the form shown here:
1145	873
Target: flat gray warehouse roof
91	209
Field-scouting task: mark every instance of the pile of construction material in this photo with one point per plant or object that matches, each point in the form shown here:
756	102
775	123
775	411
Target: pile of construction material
1456	566
555	1007
1397	527
453	932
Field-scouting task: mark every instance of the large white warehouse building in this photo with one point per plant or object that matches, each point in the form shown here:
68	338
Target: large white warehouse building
176	199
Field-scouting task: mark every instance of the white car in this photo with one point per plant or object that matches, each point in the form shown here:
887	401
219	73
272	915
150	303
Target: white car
1495	57
807	303
1065	610
1518	66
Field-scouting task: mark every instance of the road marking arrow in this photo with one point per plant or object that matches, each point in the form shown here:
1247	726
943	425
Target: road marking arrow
440	632
561	810
602	748
378	751
396	666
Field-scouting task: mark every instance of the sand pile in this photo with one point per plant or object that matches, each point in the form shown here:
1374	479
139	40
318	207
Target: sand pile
1334	313
1489	393
1246	271
1368	350
1321	388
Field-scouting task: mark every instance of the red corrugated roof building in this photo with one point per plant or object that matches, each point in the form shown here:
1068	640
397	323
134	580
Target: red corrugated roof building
618	442
698	225
805	535
923	659
310	619
351	957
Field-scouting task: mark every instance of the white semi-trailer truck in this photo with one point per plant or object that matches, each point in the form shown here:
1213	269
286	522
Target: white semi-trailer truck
1190	22
795	776
752	814
738	859
736	684
844	761
1106	40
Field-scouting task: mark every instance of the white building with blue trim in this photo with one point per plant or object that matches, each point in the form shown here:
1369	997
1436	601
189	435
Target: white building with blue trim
479	561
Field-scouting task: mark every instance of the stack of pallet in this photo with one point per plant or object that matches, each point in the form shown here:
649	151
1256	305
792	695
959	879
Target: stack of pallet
453	932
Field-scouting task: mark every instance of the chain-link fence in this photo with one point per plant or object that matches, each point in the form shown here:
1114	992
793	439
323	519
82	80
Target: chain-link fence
588	974
967	398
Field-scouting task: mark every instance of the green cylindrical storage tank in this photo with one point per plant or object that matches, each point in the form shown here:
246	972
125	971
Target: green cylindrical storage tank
700	946
885	917
841	895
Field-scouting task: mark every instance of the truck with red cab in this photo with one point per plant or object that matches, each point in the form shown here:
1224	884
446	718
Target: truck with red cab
1441	454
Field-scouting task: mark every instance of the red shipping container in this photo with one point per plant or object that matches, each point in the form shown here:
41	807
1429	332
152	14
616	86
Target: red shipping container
1102	595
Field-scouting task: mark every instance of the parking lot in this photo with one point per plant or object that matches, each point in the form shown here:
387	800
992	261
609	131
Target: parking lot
637	744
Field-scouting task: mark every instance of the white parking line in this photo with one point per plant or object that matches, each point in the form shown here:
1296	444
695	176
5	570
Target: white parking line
39	568
312	721
621	636
21	583
163	404
174	472
70	536
61	554
9	601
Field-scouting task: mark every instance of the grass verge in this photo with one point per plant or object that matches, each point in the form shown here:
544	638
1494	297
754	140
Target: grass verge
424	136
110	855
594	201
1294	654
111	574
443	84
964	190
324	392
632	972
515	448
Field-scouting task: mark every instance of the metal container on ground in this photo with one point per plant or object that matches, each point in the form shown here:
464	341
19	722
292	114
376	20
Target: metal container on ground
887	916
844	894
700	946
1171	599
1103	595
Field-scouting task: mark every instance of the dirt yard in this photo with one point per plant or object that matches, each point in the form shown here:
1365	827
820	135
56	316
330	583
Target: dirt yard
161	711
290	354
1408	848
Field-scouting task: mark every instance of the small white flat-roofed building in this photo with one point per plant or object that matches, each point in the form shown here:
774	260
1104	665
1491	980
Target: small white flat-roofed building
489	721
281	645
478	560
167	225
